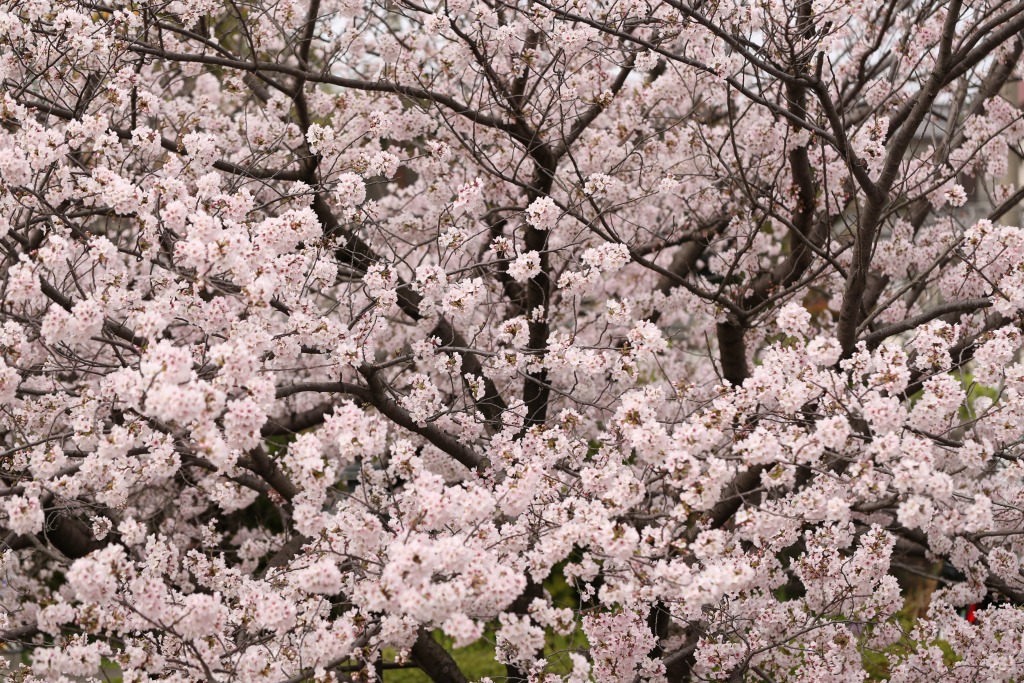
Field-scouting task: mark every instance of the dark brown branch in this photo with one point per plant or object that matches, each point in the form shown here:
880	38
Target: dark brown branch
377	394
966	306
852	307
435	661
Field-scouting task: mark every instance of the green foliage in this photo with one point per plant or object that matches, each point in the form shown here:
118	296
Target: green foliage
877	663
974	390
478	660
475	661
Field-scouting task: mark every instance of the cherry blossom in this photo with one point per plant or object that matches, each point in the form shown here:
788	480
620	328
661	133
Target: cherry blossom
616	341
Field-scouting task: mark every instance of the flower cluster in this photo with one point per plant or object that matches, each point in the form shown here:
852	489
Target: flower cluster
623	346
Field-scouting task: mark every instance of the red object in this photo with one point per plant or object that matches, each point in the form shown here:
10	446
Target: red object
970	614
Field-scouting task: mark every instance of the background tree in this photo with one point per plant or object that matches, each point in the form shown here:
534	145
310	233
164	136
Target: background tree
329	326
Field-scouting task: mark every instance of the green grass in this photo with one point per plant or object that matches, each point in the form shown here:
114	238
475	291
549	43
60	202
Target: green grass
477	660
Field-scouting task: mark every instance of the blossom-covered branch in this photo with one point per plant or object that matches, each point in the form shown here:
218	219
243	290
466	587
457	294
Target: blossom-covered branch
615	341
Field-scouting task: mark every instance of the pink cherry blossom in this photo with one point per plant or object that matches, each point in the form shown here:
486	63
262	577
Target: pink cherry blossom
614	341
